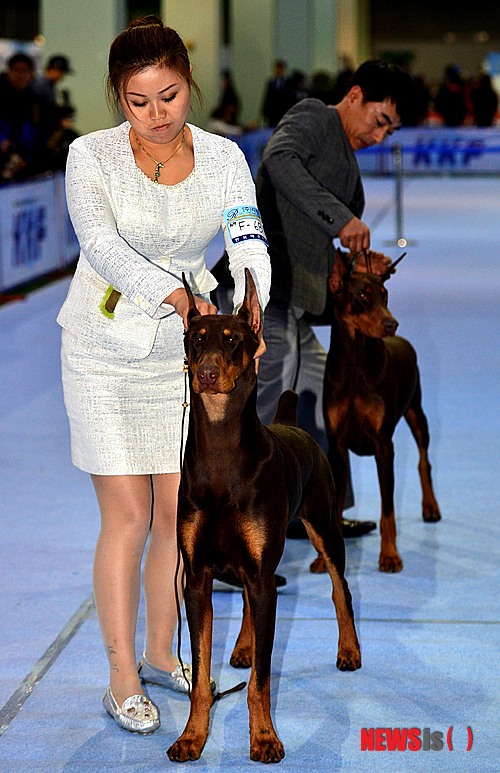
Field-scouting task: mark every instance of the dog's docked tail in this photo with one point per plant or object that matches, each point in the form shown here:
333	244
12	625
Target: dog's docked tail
286	412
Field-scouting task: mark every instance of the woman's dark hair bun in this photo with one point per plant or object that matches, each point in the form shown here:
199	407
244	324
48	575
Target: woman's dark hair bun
145	21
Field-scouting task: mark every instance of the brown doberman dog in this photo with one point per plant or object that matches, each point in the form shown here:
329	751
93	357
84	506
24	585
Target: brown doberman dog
240	484
371	381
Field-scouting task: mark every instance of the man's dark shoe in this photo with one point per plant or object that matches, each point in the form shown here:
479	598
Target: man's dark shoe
297	530
356	528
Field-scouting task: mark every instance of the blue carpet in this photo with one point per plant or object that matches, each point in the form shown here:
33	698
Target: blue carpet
429	635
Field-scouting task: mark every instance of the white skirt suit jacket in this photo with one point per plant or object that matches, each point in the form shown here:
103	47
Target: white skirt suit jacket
122	370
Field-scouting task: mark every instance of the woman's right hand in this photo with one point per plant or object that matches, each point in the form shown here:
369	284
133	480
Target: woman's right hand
179	300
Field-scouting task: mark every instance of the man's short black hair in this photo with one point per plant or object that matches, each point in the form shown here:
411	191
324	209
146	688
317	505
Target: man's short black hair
20	59
380	80
59	62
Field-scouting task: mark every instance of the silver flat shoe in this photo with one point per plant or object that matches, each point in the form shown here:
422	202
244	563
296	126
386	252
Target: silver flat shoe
173	680
137	714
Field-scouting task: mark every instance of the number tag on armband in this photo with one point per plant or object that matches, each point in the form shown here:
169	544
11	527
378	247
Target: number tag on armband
244	223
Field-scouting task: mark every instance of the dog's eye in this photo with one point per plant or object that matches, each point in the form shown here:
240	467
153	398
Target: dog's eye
231	338
363	301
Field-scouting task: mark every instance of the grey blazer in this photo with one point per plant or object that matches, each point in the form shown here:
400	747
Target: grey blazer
308	187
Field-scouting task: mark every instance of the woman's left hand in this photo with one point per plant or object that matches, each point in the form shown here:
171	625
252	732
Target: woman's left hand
179	300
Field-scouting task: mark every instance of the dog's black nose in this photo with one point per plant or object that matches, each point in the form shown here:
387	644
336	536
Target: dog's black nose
390	325
207	374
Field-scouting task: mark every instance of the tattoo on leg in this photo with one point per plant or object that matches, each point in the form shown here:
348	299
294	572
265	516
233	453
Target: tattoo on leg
111	657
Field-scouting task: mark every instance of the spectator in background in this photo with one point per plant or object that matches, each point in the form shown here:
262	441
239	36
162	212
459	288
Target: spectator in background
450	101
57	145
56	69
342	84
331	89
484	101
220	123
275	102
419	107
51	97
21	124
321	86
229	100
295	89
224	120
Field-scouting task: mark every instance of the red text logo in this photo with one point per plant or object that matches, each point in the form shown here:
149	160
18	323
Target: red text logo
411	739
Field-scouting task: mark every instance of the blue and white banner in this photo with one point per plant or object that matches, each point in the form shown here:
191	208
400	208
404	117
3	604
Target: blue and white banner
424	150
36	236
436	150
29	241
70	248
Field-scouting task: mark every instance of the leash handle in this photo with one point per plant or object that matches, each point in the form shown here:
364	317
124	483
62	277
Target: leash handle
236	688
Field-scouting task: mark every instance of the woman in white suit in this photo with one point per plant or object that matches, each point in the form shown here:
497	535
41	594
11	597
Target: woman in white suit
145	199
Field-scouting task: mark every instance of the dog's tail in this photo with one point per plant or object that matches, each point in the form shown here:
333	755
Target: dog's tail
286	413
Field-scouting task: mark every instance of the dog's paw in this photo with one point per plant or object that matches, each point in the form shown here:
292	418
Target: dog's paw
184	751
241	658
266	749
431	514
318	566
390	564
349	661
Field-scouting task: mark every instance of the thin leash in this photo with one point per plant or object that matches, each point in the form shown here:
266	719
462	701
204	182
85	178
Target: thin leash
352	264
185	405
218	695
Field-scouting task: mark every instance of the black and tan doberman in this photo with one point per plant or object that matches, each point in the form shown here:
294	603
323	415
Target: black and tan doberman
240	484
371	381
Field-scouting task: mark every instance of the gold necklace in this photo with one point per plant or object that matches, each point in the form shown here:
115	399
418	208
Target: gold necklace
160	164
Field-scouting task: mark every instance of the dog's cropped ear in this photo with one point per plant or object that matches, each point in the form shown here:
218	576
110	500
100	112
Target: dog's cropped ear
250	308
192	311
392	268
339	269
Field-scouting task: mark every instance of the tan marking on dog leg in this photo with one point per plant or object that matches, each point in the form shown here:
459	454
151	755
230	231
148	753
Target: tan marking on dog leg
242	652
389	561
348	654
255	541
430	507
265	746
190	743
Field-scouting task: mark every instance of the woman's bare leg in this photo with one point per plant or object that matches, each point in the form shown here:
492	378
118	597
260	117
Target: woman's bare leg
125	505
159	574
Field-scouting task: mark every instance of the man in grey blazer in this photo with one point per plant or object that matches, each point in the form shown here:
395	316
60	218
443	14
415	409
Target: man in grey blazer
309	192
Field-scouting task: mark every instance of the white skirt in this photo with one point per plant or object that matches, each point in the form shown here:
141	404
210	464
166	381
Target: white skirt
126	416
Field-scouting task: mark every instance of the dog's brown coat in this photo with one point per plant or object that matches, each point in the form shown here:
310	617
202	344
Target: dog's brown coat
240	484
371	381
